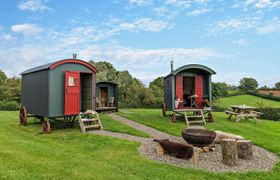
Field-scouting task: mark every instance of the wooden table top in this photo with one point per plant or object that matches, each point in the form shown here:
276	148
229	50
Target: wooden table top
243	107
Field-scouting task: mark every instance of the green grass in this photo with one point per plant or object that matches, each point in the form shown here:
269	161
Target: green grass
25	153
247	99
115	126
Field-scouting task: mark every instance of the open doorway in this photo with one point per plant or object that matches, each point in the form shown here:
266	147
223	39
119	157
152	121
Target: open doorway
188	90
103	96
86	91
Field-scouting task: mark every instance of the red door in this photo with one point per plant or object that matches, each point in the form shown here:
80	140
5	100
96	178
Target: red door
72	93
179	90
199	91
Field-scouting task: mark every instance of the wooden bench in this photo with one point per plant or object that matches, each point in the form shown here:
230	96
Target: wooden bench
230	112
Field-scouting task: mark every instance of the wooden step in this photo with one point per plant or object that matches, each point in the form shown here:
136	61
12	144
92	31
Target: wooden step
92	126
194	116
196	121
89	120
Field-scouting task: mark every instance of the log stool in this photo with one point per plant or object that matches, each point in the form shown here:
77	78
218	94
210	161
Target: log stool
244	149
229	152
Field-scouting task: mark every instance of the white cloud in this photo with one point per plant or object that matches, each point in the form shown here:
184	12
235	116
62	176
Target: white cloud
179	3
198	12
146	64
26	29
271	26
241	42
145	24
140	2
8	37
34	5
267	4
234	24
161	11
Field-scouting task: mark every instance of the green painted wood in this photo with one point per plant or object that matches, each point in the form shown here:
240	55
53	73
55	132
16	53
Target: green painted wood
56	87
35	93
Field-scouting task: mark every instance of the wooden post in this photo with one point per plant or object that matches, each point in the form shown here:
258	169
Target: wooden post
229	152
244	148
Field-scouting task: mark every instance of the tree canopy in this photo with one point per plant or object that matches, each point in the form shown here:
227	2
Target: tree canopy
248	84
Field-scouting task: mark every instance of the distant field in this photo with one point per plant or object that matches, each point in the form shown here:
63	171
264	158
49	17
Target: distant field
248	100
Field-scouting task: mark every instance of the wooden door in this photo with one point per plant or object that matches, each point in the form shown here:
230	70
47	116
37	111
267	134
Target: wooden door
199	91
72	93
104	96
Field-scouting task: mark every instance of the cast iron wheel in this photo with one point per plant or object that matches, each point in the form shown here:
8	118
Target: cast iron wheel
46	127
164	109
23	116
174	117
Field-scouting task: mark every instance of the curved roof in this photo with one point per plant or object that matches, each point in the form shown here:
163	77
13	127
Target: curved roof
192	66
58	63
107	82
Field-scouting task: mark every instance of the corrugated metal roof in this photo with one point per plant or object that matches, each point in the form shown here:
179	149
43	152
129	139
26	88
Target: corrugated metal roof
107	82
49	65
192	66
36	69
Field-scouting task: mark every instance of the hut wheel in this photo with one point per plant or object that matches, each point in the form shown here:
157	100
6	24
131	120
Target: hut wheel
164	109
210	117
46	126
23	116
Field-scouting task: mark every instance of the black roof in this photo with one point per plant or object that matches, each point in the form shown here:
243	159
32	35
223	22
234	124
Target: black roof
107	82
192	66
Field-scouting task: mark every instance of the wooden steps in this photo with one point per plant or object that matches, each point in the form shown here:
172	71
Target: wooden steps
197	118
89	120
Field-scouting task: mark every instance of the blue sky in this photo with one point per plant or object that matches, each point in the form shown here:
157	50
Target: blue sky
235	38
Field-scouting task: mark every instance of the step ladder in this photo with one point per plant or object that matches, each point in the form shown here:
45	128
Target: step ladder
197	115
89	120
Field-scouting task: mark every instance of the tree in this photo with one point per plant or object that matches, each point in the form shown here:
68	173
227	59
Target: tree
219	89
248	84
277	85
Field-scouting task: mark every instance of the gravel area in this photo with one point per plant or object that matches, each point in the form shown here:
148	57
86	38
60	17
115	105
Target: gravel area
210	161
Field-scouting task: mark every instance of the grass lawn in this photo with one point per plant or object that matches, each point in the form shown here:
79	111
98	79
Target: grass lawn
248	100
25	153
115	126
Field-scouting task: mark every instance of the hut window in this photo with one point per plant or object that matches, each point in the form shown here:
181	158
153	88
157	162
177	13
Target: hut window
72	81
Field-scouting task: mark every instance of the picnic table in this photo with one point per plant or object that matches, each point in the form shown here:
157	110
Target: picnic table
243	112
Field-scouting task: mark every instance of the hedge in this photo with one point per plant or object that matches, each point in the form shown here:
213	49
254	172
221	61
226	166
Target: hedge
9	106
270	113
265	96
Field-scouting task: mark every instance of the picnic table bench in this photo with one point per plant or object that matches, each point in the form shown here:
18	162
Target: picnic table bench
243	112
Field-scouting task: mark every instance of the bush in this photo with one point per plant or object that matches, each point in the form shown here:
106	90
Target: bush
270	113
9	106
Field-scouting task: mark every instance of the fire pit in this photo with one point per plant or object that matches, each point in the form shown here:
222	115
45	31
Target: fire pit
199	137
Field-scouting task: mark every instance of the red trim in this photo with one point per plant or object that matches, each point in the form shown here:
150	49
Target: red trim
75	61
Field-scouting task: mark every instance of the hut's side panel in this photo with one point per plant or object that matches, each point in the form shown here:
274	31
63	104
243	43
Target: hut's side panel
169	92
35	93
56	86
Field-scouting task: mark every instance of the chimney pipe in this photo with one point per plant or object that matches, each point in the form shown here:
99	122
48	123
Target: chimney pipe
171	65
74	56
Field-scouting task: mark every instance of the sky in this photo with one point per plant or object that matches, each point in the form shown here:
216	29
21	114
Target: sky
235	38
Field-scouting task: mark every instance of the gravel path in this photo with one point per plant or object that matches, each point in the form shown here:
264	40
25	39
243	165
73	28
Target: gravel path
210	161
